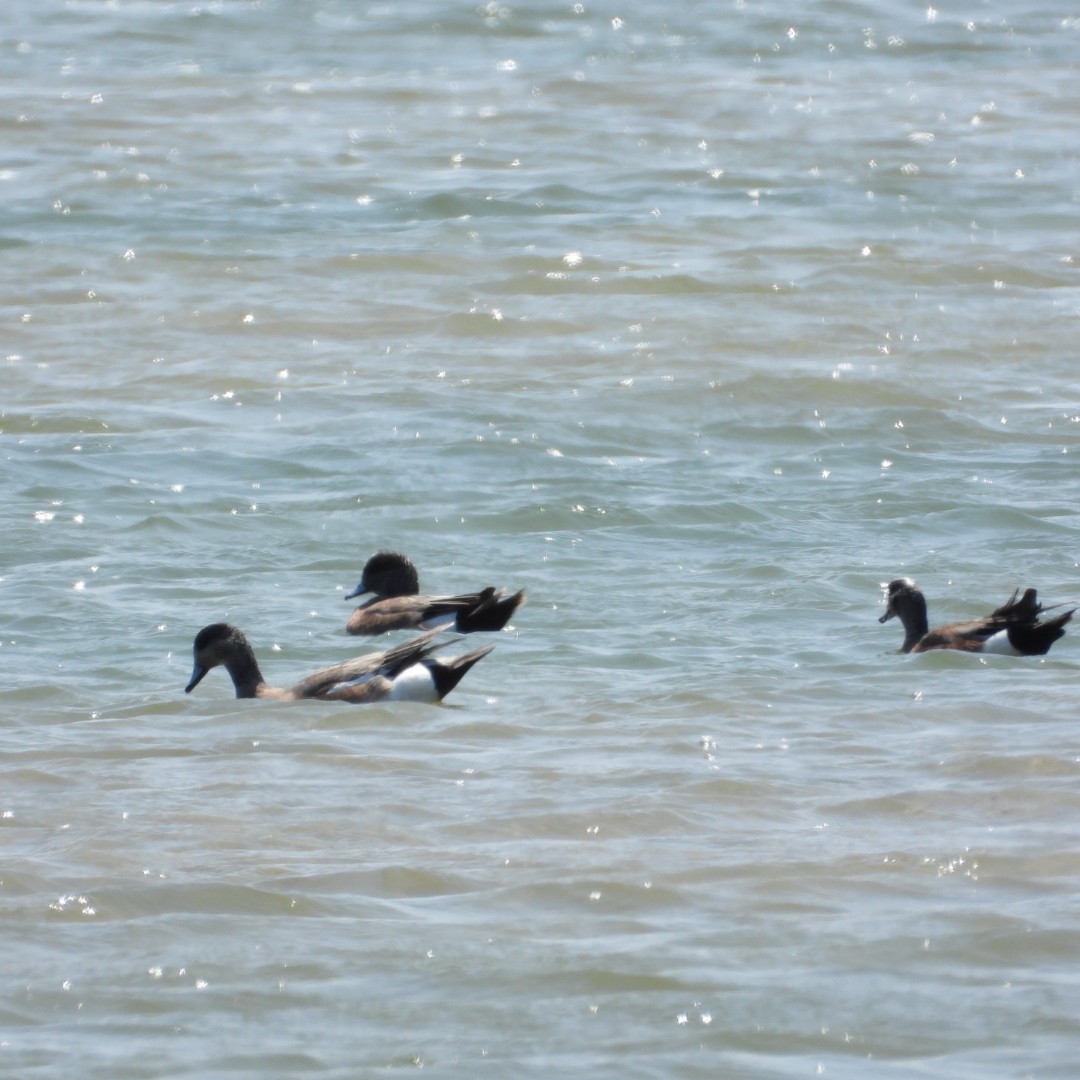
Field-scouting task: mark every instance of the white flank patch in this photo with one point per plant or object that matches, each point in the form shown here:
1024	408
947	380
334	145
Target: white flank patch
414	684
439	620
1000	644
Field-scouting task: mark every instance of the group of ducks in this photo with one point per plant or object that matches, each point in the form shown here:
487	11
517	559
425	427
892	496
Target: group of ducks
411	672
408	672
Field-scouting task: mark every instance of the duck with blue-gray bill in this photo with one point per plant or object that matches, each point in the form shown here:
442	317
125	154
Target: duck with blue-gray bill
408	672
397	603
1013	629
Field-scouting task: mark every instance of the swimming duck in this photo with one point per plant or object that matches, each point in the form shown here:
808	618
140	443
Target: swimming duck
1013	629
398	605
407	672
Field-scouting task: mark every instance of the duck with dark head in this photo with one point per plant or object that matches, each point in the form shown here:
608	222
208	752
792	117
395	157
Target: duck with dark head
398	604
1013	629
408	672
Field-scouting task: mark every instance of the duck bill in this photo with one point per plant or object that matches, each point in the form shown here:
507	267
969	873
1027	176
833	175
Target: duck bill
887	616
358	591
197	674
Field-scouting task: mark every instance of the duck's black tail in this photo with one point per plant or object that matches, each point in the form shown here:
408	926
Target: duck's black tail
448	672
1024	610
1035	638
493	611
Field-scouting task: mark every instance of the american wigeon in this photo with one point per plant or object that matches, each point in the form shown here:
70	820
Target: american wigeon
1013	629
407	672
398	605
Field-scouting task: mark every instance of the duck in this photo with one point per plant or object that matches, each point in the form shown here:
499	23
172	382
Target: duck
397	603
1013	629
407	672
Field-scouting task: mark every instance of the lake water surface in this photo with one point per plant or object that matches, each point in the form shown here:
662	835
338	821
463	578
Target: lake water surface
698	322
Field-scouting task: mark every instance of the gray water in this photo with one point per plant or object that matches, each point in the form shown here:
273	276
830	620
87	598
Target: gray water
696	321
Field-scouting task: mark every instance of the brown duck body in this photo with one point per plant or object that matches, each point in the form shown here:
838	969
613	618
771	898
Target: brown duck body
405	672
1013	629
397	603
